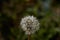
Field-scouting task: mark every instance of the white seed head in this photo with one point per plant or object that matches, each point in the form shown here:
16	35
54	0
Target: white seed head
29	24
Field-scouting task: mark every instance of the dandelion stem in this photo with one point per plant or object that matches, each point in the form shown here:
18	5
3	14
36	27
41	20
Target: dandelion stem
29	36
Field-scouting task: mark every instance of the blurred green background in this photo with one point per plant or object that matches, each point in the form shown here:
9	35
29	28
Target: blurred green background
46	11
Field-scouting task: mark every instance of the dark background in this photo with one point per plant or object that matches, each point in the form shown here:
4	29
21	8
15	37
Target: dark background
46	11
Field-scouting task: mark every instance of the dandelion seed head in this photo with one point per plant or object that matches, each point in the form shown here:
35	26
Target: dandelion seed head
29	24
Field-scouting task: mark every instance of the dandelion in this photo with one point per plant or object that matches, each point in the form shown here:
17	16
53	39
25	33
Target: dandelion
29	24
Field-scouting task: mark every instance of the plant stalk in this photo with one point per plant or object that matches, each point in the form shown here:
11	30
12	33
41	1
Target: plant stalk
29	36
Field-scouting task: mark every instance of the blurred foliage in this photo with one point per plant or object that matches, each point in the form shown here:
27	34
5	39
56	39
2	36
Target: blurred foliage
11	12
